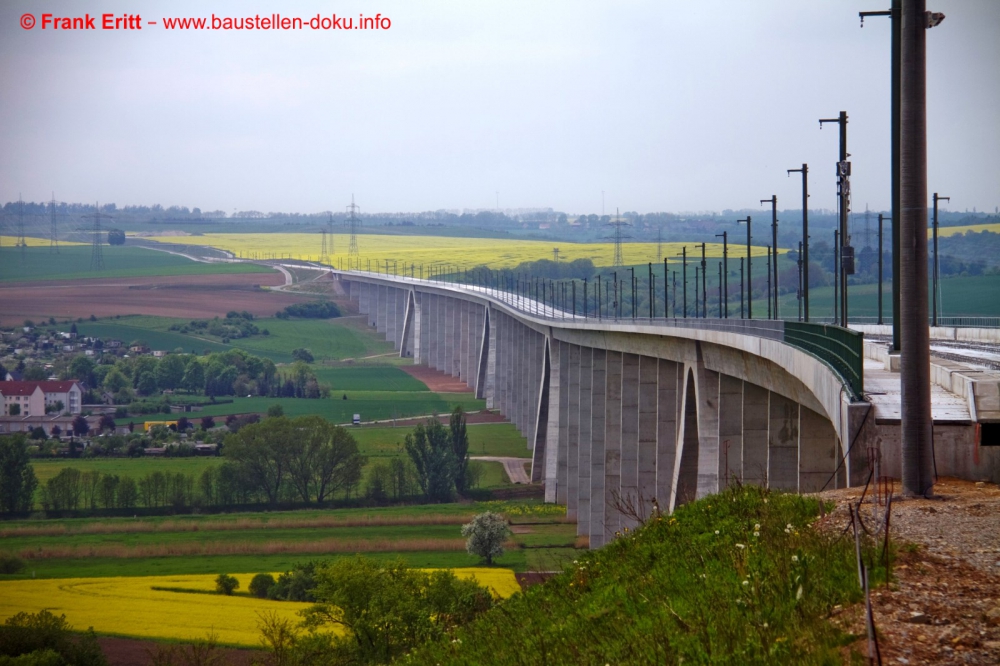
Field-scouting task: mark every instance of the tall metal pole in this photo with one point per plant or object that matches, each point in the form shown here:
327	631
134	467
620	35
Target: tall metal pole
684	278
749	275
805	238
724	304
895	13
696	269
843	193
773	264
836	273
741	288
798	284
720	290
768	281
880	219
937	278
915	380
704	285
666	305
650	290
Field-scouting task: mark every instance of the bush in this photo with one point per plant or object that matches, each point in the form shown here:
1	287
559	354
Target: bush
316	310
261	585
31	639
226	584
10	564
486	535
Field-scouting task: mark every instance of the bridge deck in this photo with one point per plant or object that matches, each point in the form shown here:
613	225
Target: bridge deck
882	388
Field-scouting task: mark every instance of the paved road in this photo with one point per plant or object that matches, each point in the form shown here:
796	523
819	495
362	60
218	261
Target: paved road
513	466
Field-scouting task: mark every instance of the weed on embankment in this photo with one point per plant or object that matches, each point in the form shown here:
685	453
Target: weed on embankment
739	577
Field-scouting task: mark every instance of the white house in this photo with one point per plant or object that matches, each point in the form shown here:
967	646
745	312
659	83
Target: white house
32	398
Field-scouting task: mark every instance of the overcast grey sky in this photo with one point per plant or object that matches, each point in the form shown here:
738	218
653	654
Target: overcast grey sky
664	105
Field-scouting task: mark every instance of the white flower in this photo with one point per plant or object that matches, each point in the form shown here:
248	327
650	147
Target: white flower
788	526
740	546
795	558
716	531
765	625
756	526
745	583
756	534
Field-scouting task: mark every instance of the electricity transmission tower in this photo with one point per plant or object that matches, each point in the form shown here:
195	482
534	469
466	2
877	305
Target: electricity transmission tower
659	244
555	254
53	232
324	258
617	225
97	254
353	223
21	243
329	231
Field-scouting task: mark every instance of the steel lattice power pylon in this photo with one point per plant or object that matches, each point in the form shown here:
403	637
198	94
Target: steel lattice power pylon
353	222
617	225
97	253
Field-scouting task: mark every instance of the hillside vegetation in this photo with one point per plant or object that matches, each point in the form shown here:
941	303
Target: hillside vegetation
739	577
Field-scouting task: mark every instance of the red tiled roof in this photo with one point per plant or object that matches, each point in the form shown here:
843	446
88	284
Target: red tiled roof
27	388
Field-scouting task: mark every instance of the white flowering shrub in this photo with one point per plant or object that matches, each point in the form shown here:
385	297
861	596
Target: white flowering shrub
486	535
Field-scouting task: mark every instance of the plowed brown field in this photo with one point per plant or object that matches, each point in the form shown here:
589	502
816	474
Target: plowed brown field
189	296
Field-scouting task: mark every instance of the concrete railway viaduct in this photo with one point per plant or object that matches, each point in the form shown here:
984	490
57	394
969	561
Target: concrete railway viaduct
622	413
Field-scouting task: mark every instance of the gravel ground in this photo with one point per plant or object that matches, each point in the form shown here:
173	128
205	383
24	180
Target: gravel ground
943	605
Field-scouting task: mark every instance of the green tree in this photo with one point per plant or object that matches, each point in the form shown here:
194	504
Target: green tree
275	411
486	535
116	380
226	584
194	376
116	237
82	368
460	447
388	608
146	384
323	459
262	454
170	372
302	354
261	584
429	447
17	476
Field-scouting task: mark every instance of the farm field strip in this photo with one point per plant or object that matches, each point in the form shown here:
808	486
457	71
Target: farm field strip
73	262
976	228
129	606
428	250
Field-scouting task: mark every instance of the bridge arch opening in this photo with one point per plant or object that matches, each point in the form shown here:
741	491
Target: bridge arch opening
687	473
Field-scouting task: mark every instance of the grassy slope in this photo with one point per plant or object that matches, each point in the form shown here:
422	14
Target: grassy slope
73	263
698	587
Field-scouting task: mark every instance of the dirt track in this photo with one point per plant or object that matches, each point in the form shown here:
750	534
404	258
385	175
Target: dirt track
436	380
195	296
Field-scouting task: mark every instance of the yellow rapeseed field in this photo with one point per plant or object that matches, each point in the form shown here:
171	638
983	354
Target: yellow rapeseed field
951	231
441	250
30	241
129	606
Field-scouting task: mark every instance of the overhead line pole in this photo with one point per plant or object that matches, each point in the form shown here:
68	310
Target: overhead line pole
805	237
749	275
937	279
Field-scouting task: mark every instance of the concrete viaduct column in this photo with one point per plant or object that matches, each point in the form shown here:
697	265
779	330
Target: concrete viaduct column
817	452
668	374
419	329
783	444
756	417
383	310
562	473
586	422
466	336
501	361
629	480
598	389
612	442
490	390
456	334
433	331
647	419
401	297
572	420
553	435
708	431
730	430
391	325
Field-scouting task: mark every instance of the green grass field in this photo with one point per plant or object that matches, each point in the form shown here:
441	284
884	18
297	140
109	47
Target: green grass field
151	546
45	469
327	339
960	297
485	439
73	263
368	378
371	405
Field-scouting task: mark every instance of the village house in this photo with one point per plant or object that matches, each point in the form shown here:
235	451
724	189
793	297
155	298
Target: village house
32	398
